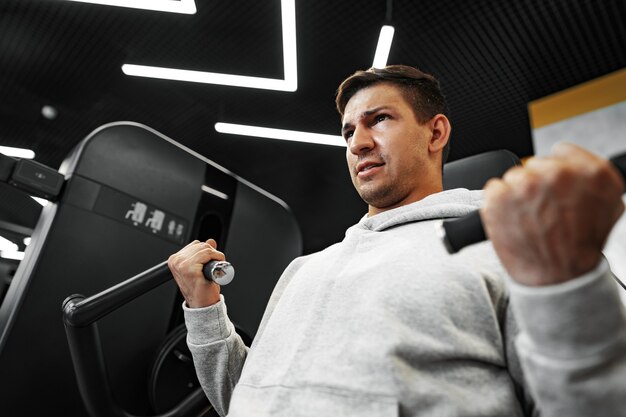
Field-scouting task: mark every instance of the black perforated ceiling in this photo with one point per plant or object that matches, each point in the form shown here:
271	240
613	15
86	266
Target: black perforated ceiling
492	57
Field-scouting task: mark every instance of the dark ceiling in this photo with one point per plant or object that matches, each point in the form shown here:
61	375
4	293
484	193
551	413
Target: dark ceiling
491	56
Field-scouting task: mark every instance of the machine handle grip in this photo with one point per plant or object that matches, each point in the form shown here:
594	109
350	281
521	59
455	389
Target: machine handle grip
221	272
459	233
467	230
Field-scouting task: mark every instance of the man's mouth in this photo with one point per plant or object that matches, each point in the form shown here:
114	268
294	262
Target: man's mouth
365	168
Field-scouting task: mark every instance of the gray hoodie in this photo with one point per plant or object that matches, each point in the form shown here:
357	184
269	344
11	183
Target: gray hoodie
386	323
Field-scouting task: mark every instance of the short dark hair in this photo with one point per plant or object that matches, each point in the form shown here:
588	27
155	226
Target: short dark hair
420	90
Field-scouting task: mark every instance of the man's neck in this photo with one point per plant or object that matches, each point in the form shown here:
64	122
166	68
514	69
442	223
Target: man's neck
372	211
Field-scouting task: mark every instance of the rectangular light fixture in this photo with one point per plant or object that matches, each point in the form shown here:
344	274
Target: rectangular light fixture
290	64
383	47
17	152
7	245
206	77
14	255
9	250
281	134
214	192
41	201
171	6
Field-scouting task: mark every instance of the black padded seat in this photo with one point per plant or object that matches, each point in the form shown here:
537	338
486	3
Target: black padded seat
474	171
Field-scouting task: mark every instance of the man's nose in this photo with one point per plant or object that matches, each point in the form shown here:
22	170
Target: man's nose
362	141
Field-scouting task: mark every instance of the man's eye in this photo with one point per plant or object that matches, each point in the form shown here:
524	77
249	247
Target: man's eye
381	117
348	135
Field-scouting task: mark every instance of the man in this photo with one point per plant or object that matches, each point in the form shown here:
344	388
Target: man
387	323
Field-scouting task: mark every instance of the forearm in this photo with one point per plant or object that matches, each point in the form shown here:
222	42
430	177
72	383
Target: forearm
218	352
572	345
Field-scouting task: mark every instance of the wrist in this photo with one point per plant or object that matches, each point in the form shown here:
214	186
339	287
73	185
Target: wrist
556	271
202	302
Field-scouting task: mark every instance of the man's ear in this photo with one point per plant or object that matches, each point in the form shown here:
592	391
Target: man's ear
441	129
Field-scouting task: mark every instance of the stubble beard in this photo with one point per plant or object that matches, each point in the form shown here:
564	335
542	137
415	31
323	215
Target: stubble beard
377	196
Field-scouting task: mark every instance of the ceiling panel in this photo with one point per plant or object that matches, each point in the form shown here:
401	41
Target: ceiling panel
492	57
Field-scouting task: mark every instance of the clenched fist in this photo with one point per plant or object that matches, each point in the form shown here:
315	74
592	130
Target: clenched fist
186	267
549	220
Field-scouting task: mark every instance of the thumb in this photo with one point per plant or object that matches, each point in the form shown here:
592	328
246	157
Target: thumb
212	243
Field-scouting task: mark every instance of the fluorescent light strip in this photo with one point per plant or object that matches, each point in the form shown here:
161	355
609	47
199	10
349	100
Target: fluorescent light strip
7	245
17	152
214	192
282	134
15	255
383	47
181	6
8	250
41	201
290	64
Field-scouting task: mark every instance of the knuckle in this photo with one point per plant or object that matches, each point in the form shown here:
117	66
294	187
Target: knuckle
552	177
490	189
603	172
532	185
172	261
490	183
512	174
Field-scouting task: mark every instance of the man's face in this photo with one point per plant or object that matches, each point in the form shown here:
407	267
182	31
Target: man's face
387	149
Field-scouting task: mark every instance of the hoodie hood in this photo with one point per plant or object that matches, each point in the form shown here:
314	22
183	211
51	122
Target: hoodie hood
446	204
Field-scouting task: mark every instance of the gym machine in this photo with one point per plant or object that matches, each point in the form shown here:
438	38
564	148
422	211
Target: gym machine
122	201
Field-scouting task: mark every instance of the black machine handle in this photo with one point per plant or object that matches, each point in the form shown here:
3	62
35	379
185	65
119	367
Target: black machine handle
80	315
467	230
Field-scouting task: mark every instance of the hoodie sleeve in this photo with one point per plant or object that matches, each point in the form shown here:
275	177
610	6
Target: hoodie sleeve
218	352
572	345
